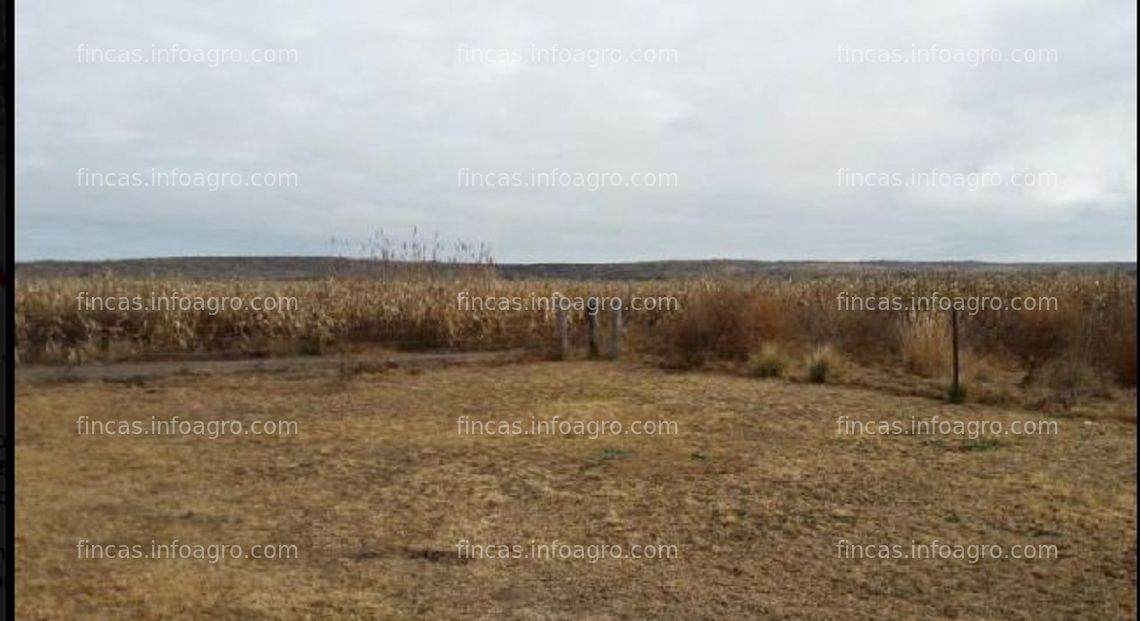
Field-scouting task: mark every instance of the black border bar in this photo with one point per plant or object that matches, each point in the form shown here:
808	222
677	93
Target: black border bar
7	342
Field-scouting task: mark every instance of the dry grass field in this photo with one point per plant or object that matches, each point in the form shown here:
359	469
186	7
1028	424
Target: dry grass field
756	490
762	500
1077	342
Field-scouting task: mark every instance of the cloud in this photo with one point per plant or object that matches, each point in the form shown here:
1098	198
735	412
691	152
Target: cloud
753	109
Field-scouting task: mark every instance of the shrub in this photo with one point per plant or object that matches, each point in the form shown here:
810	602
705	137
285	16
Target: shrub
1066	380
822	363
770	361
716	324
683	360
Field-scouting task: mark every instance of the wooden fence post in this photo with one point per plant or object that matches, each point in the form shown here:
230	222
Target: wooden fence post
615	333
592	317
955	386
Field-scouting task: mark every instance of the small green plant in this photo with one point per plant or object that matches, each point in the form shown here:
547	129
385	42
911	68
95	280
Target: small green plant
614	453
593	468
982	444
770	361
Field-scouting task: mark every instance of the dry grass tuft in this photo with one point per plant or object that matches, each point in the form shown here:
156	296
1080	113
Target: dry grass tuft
924	340
770	361
823	363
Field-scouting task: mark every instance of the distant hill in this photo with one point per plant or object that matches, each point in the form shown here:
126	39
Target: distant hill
301	268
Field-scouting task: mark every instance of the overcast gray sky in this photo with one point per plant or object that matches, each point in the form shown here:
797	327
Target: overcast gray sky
772	135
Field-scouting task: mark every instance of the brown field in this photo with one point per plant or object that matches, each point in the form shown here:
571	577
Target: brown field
755	490
757	500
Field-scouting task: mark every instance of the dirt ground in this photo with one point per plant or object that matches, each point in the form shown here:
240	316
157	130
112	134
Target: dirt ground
757	500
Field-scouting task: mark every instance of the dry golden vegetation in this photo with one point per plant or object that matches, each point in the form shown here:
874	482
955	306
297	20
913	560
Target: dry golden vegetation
1086	344
756	489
